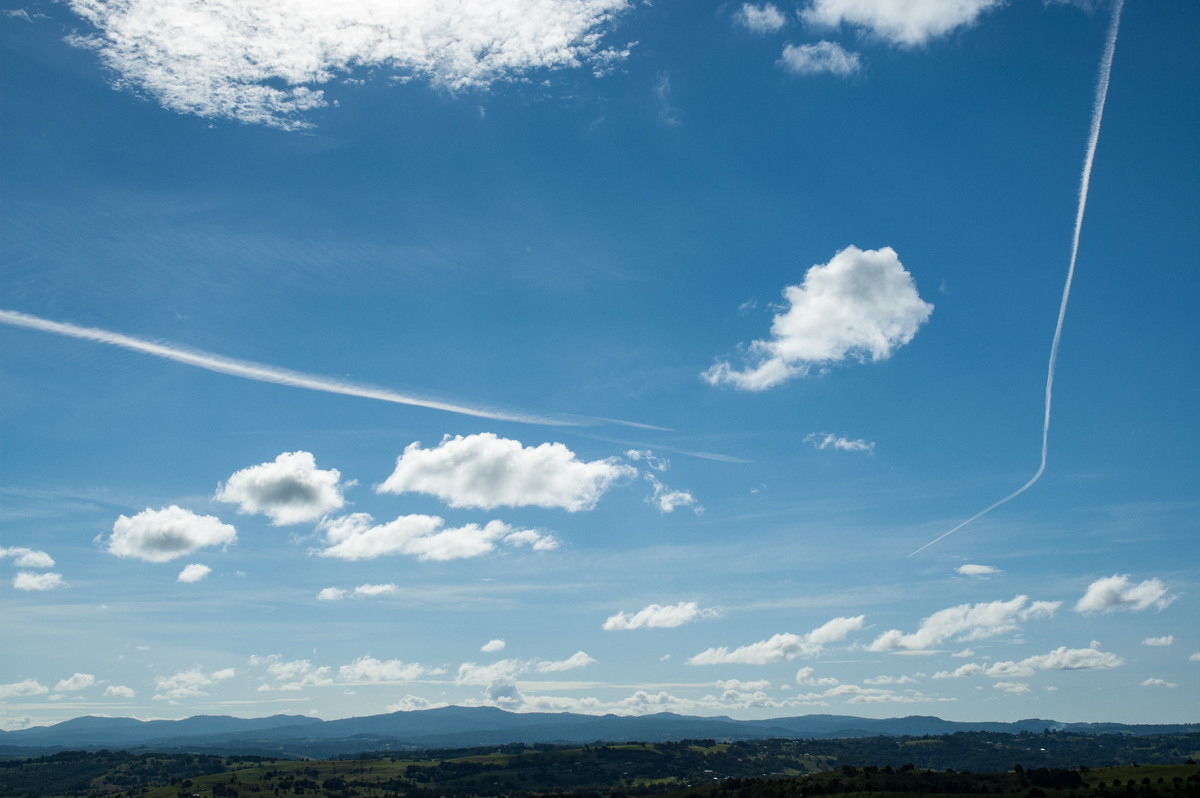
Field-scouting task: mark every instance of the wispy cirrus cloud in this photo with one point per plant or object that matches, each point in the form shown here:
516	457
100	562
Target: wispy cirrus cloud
766	18
827	440
861	305
822	57
487	471
264	61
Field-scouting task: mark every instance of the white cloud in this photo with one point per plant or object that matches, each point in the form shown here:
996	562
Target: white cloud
904	22
1116	592
577	660
807	676
79	681
1060	659
388	589
1158	683
189	684
827	440
485	471
290	490
357	537
659	616
766	18
667	500
119	691
1165	640
1195	657
966	622
781	646
492	646
502	671
29	687
292	675
28	558
861	305
163	535
368	670
814	59
331	594
976	570
194	572
27	580
260	61
878	680
1012	687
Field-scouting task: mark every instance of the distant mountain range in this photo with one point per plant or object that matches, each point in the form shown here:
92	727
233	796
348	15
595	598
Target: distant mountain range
464	727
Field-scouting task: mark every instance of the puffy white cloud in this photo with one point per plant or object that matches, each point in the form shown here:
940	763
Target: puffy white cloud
1060	659
1165	640
966	622
79	681
119	691
290	490
27	580
668	500
388	589
1158	683
766	18
168	533
492	646
368	670
357	537
814	59
331	594
1117	592
970	669
189	684
976	570
827	440
486	471
861	305
27	558
577	660
193	573
29	687
1012	687
261	61
659	616
807	676
504	671
781	646
292	675
904	22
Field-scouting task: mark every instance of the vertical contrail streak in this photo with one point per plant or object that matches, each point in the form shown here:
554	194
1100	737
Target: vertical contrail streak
1106	60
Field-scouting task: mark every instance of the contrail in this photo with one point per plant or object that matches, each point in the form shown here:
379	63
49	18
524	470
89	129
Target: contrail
1106	60
263	373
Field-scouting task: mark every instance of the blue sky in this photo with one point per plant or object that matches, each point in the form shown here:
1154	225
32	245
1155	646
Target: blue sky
597	356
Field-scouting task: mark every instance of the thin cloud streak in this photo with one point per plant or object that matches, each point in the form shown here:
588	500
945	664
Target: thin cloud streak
272	374
1106	60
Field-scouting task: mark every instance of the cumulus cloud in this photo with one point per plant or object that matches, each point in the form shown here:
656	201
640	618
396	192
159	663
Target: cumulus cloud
79	681
119	691
368	670
966	622
1060	659
194	572
659	616
861	305
263	61
577	660
165	534
827	440
290	490
24	689
388	589
293	675
331	594
814	59
766	18
27	558
492	646
27	580
358	537
781	646
1117	592
485	471
807	677
902	22
189	683
1012	687
1158	683
1165	640
976	570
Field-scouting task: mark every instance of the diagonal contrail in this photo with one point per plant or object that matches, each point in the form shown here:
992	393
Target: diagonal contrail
1106	60
263	373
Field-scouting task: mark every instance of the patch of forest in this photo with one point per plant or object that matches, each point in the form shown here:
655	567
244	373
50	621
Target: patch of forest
1048	765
